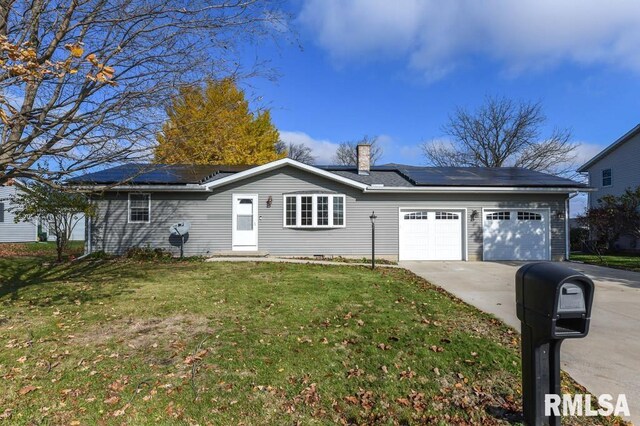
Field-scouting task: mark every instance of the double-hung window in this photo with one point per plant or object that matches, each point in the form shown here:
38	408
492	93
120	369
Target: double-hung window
606	177
139	207
314	211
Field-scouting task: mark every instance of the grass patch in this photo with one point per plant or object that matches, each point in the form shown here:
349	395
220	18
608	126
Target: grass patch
44	249
618	261
113	342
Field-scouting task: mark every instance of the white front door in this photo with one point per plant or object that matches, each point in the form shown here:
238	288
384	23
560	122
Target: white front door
516	234
245	222
430	235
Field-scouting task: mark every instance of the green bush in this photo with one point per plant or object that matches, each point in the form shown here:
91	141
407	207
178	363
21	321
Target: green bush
577	238
98	255
147	253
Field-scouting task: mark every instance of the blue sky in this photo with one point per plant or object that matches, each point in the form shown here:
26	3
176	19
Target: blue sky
397	69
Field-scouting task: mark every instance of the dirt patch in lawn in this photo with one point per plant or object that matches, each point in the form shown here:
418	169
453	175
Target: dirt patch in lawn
147	333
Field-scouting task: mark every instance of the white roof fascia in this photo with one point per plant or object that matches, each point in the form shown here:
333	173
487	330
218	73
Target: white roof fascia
147	188
281	163
481	189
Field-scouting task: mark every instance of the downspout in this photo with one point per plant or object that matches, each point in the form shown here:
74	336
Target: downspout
567	230
88	225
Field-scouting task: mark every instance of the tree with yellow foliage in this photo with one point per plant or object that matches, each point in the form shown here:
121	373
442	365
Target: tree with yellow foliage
214	125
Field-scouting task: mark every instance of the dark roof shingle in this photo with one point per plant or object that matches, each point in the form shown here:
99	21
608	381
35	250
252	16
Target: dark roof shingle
389	175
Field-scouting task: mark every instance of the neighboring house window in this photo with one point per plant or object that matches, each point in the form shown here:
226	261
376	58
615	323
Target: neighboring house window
1	212
606	177
139	207
314	211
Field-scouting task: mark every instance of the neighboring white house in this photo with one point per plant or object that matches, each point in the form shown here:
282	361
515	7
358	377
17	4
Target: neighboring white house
22	232
615	169
10	231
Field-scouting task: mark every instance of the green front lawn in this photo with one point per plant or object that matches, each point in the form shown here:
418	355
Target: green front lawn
123	342
629	262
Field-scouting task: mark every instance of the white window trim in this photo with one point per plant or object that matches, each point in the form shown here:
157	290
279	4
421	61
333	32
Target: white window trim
610	177
314	211
129	207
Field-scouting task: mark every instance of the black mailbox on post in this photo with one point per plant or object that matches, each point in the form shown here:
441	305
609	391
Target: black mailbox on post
553	303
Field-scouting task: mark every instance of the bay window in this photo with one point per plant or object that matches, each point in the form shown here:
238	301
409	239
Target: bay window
314	211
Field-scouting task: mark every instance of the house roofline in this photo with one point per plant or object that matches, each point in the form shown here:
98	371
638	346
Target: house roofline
621	140
148	188
476	189
274	165
282	163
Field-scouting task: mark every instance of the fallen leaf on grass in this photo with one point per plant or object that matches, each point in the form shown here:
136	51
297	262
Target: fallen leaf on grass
197	357
435	348
403	401
22	359
407	374
121	411
351	399
27	389
355	372
112	400
384	347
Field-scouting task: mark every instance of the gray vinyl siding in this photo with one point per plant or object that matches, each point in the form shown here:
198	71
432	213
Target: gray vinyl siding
11	232
210	217
624	163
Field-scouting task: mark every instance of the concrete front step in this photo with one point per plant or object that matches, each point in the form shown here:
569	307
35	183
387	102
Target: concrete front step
231	253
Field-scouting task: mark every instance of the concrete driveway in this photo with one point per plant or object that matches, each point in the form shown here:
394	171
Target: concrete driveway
606	361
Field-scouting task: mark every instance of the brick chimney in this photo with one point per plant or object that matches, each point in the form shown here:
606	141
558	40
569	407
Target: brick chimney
364	158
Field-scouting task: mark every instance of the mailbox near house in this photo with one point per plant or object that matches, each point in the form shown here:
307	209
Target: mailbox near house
553	303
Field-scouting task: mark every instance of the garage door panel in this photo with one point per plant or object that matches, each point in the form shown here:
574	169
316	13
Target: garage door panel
414	238
430	235
515	235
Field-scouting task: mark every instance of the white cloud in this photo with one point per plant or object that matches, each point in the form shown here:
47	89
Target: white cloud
586	151
322	149
433	36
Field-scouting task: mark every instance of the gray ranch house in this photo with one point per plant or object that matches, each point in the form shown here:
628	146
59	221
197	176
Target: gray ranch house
613	170
287	208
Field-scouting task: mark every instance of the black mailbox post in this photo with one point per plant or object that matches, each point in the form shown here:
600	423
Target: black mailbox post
553	303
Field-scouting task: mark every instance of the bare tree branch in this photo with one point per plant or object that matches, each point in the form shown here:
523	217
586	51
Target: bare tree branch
347	152
296	151
502	133
105	71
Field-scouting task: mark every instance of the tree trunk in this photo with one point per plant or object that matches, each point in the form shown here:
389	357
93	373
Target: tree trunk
59	248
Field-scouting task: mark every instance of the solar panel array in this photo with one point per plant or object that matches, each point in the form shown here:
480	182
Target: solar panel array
387	175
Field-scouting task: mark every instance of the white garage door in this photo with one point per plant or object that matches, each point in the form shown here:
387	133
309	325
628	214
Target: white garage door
516	234
430	235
